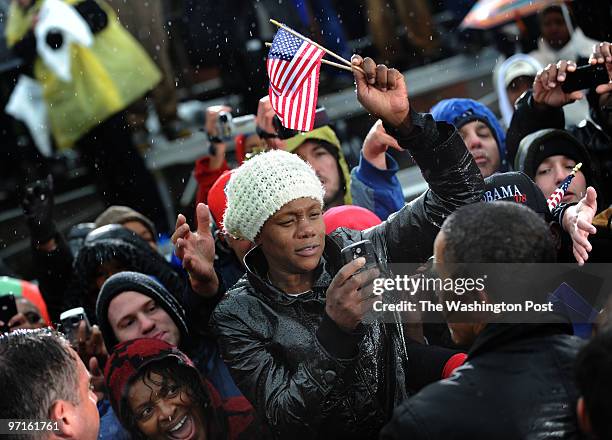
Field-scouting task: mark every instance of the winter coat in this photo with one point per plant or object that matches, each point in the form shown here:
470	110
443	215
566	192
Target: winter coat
375	189
517	383
106	77
527	119
304	375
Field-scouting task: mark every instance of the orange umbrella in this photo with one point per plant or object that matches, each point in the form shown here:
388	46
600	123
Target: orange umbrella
486	14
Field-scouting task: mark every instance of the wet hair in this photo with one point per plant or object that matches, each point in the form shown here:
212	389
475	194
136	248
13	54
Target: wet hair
189	381
593	367
36	370
500	232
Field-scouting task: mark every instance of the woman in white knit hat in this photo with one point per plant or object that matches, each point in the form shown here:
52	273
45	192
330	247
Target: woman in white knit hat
291	329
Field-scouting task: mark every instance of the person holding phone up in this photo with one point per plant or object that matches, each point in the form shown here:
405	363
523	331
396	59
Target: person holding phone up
291	329
543	108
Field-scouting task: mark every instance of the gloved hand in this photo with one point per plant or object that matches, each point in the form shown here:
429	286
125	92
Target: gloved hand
37	207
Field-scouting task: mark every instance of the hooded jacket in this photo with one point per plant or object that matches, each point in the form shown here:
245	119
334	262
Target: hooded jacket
304	375
226	419
460	111
517	383
527	119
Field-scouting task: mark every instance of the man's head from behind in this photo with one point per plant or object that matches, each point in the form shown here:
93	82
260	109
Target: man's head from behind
489	233
594	382
42	378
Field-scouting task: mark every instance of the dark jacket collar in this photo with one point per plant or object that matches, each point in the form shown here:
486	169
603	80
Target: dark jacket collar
257	273
495	336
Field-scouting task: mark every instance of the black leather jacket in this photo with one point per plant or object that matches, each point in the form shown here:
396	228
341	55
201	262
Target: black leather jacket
304	375
517	383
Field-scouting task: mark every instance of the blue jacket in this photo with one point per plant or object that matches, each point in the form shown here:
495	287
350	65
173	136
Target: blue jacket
375	189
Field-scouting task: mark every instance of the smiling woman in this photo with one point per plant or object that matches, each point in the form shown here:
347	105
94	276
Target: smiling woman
157	393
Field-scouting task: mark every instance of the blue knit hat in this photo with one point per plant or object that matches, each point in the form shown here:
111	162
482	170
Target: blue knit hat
460	111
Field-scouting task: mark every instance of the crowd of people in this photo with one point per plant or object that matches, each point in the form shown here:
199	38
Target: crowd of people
259	323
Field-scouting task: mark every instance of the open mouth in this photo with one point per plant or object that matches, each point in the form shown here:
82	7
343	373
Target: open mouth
184	429
307	251
568	196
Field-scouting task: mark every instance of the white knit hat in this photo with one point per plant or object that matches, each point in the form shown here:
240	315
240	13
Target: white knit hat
263	185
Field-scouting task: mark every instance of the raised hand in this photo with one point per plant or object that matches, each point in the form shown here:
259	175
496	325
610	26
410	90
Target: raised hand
381	91
376	143
37	204
197	251
602	54
547	85
577	221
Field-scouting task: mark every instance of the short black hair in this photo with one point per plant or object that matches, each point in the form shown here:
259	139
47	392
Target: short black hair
479	235
36	369
594	381
501	232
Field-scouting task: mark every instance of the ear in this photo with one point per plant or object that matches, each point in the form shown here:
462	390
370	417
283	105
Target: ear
584	422
63	412
556	231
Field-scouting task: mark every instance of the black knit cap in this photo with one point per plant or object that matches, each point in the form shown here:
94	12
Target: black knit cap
137	282
538	146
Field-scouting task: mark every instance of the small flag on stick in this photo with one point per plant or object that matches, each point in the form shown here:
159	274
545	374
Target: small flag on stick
556	197
293	68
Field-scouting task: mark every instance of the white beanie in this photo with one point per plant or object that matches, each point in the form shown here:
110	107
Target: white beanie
263	185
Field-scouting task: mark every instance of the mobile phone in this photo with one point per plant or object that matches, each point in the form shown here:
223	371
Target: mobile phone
585	77
70	321
8	309
363	248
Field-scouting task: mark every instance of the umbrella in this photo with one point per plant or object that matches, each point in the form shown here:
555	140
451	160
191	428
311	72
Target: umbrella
486	14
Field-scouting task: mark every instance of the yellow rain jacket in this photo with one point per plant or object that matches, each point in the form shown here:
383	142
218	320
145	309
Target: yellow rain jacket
106	77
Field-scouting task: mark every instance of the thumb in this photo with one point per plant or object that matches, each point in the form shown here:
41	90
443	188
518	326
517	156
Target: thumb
203	216
591	198
360	78
94	366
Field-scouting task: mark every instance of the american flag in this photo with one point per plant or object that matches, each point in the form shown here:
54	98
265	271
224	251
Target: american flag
293	67
556	197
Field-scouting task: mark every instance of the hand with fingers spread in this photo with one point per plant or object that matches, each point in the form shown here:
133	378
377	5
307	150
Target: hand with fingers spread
547	85
345	303
376	144
197	251
382	91
602	54
577	221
